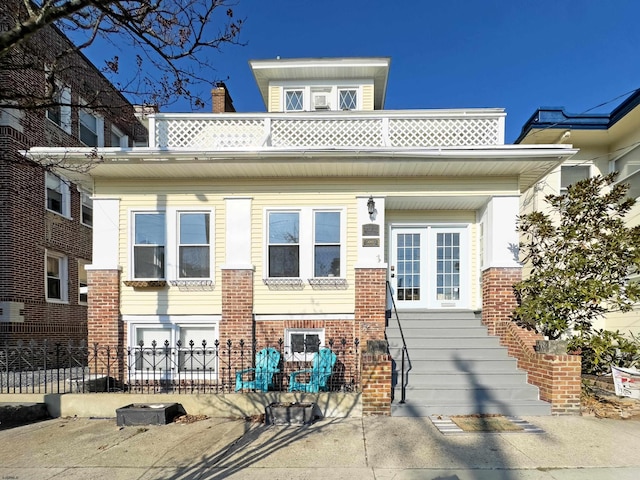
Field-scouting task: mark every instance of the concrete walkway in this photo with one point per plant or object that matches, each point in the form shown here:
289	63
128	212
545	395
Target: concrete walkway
380	448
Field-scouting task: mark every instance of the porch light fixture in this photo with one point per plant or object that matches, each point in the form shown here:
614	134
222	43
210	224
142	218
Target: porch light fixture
371	205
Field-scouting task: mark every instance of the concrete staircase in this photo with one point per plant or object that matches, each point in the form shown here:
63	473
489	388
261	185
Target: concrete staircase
457	368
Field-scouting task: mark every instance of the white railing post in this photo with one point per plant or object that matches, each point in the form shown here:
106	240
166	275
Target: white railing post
384	134
266	140
153	141
500	133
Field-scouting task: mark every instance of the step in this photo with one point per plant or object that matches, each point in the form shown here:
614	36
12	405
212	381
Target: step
456	343
441	332
444	379
419	323
463	394
522	408
447	354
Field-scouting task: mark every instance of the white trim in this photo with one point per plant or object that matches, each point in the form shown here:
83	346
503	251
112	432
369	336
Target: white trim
63	267
106	234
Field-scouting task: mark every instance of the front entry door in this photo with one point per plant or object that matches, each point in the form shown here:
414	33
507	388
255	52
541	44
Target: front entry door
429	267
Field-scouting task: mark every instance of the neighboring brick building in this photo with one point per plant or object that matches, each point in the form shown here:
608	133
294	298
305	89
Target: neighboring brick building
45	220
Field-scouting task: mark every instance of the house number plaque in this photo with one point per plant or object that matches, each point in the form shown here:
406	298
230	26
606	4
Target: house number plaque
371	230
370	242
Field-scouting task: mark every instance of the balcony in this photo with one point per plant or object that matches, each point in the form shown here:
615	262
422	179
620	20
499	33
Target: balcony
323	130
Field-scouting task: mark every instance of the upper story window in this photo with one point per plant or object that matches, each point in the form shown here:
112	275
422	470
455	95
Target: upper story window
60	112
56	275
293	100
307	243
118	139
86	216
57	195
348	99
194	245
149	245
91	128
570	174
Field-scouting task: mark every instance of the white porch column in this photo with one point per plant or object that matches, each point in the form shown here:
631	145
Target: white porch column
500	239
371	233
238	233
106	234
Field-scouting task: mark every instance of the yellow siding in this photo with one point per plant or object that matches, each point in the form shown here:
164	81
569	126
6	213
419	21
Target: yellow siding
367	97
296	192
275	96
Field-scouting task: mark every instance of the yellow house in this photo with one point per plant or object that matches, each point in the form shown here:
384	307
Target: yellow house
607	142
325	221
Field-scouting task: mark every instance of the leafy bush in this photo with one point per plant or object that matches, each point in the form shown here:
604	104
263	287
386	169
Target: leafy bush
603	348
581	254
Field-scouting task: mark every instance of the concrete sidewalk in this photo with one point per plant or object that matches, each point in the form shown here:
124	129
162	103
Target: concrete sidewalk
345	448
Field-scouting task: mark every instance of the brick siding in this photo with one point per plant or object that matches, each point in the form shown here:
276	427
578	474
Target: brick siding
558	377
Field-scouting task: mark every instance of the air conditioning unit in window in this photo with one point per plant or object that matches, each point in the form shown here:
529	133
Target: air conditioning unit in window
321	101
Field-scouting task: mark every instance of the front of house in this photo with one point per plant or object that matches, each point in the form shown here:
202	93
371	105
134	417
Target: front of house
287	225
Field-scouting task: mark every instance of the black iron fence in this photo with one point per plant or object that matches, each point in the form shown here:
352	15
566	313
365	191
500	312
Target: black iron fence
223	367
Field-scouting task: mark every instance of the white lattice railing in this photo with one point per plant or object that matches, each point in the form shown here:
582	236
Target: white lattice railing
383	129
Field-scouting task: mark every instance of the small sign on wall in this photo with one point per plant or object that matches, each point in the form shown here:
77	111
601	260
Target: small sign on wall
370	242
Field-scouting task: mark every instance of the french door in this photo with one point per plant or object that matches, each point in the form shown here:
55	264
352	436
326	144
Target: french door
429	267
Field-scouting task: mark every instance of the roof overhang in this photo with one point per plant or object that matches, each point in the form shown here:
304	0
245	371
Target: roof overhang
330	69
527	163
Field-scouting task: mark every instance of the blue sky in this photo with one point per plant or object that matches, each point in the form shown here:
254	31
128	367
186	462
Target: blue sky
514	54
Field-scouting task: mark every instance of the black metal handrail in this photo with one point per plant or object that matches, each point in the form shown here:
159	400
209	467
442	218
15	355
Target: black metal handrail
405	353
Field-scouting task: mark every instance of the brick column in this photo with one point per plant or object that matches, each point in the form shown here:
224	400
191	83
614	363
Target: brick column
376	384
237	306
370	303
370	309
104	323
558	377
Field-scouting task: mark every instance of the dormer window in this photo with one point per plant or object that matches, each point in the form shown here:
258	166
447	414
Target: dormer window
293	101
348	99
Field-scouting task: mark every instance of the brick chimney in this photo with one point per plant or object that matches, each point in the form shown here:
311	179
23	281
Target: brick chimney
221	99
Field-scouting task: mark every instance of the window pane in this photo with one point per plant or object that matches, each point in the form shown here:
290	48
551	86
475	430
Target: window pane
88	129
54	200
149	228
54	279
283	228
83	284
194	262
572	174
293	100
148	357
87	210
194	228
148	262
327	227
348	99
327	261
199	357
283	261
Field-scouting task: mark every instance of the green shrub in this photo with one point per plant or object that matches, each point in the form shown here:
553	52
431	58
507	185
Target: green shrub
603	348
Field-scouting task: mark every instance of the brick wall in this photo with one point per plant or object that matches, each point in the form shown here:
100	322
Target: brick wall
376	384
371	303
237	305
105	325
558	377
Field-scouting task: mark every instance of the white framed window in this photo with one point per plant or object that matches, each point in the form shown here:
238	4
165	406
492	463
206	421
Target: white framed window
163	346
83	283
86	209
56	274
284	244
58	197
302	343
149	245
60	110
305	243
293	100
326	244
91	128
348	99
118	139
194	245
570	174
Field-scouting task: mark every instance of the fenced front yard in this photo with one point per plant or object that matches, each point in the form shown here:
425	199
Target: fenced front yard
177	369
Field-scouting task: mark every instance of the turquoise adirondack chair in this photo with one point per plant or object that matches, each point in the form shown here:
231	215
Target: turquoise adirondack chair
319	373
267	361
